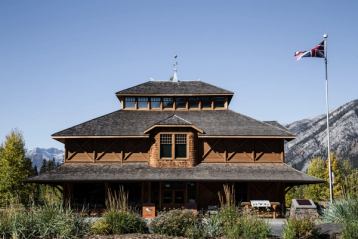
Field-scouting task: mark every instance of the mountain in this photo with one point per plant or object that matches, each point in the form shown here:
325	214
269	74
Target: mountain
311	138
38	154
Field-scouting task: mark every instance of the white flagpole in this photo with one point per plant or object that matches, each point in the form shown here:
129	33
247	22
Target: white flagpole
325	36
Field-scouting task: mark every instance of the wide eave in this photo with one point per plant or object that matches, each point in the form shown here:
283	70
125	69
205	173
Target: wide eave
101	172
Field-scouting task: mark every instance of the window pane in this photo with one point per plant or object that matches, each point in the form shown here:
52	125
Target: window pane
143	102
180	102
167	102
179	196
155	102
206	102
219	102
193	102
180	151
165	145
129	102
180	145
168	196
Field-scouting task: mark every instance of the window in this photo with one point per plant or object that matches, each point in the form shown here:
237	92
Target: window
155	102
194	102
180	145
167	102
219	102
165	145
205	102
129	102
180	103
142	102
170	142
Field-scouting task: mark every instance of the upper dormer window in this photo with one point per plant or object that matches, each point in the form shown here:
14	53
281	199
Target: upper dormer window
180	103
194	102
167	102
129	102
219	102
142	102
206	102
155	102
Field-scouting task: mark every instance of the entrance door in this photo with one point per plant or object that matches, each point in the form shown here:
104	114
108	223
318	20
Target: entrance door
173	194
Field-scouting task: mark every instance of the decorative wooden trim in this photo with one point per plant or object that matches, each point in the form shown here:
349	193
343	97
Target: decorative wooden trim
171	126
211	149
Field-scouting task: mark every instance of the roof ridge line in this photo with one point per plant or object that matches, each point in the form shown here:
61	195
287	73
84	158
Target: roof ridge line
262	122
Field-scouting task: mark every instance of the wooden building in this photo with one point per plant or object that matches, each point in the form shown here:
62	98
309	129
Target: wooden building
174	144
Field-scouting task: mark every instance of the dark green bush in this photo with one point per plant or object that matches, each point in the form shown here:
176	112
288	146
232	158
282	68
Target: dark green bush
122	222
177	223
299	229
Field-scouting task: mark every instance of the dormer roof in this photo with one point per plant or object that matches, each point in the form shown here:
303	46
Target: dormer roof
170	88
174	121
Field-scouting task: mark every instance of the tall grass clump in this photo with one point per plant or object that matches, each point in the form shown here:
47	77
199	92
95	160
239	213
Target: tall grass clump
119	218
117	200
345	212
49	221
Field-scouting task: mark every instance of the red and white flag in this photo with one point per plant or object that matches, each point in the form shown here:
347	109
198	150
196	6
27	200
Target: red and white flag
317	51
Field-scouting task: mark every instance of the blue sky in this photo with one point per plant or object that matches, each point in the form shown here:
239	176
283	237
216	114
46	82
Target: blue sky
62	61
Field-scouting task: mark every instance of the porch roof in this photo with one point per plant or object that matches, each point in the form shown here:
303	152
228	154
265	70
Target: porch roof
249	172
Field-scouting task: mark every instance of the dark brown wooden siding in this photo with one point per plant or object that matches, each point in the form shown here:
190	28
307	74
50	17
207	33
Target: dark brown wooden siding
217	150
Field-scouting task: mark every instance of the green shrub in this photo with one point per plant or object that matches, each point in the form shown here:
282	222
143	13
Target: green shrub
345	212
342	211
6	223
248	227
54	221
299	228
176	223
100	227
228	216
212	226
122	222
350	230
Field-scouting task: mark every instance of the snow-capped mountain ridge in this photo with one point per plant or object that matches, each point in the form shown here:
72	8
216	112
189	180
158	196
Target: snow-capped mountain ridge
311	135
37	155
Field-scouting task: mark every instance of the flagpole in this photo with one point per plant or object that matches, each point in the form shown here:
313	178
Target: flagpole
325	36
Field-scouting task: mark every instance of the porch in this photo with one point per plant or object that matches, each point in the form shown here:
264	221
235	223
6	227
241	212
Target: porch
165	195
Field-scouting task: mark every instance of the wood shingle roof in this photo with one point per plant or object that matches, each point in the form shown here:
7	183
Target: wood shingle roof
211	122
253	172
171	88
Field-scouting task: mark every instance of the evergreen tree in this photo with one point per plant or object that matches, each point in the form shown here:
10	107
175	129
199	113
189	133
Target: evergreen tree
14	169
43	166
